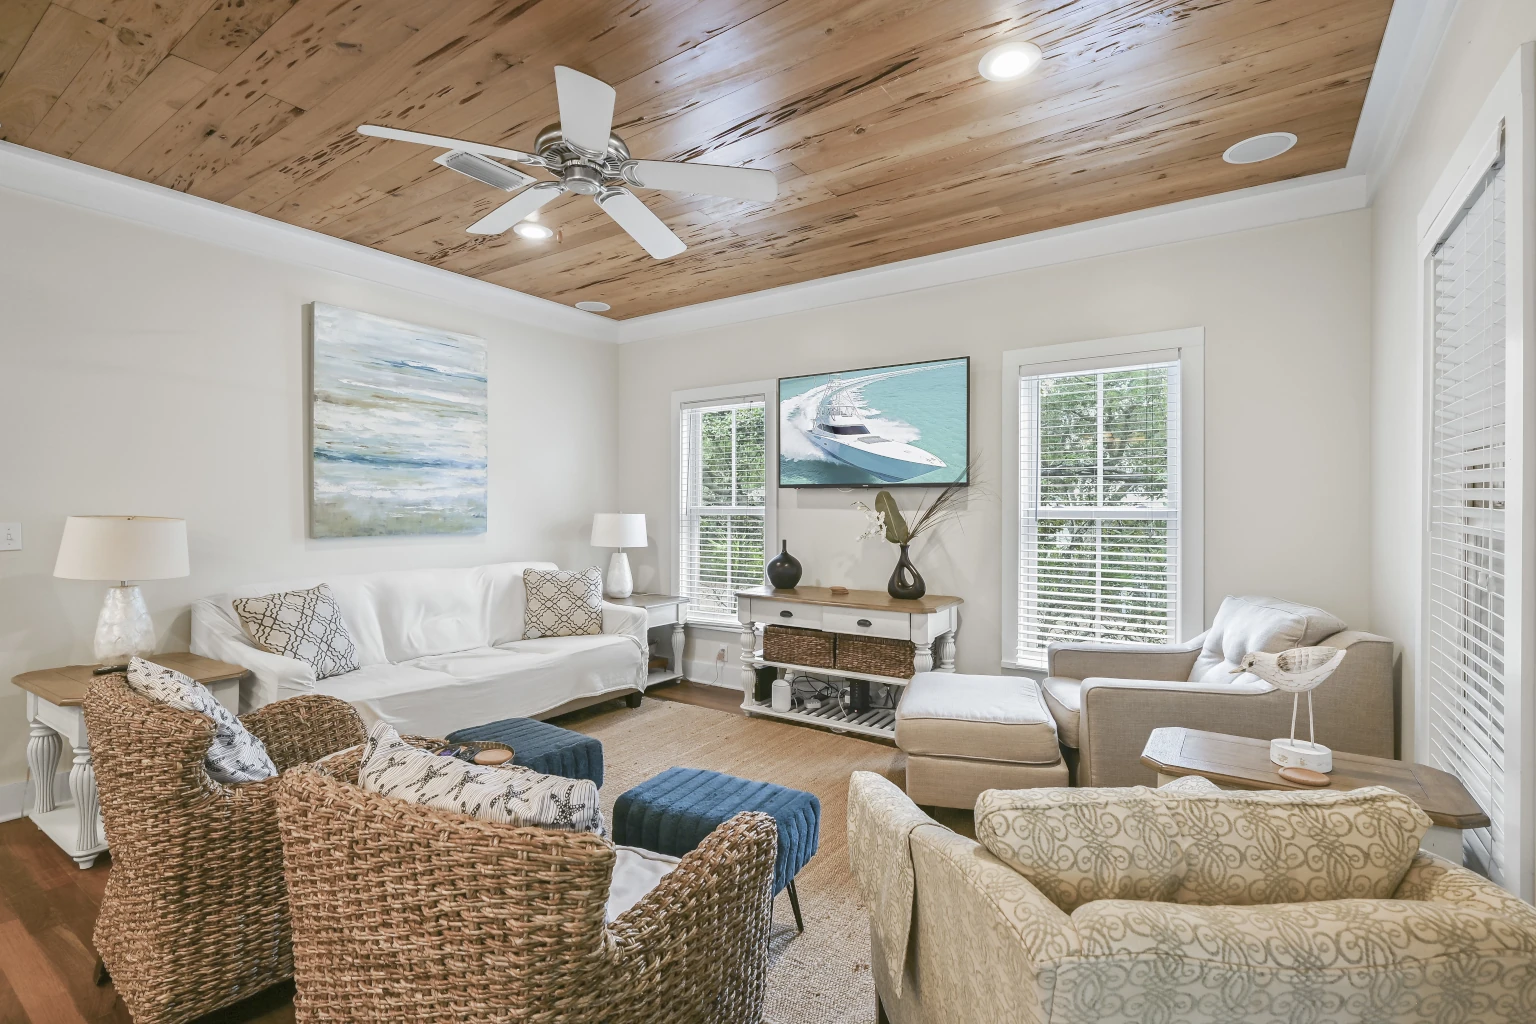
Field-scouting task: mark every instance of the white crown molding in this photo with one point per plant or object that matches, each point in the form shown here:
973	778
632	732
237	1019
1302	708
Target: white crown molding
1415	31
116	195
1260	206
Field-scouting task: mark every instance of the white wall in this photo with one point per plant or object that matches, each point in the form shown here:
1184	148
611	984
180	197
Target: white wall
1479	45
145	373
1286	312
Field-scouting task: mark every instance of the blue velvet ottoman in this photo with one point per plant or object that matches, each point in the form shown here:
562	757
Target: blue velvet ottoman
543	747
673	812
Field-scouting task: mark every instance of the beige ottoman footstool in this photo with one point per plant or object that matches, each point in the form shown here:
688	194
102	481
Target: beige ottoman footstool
964	734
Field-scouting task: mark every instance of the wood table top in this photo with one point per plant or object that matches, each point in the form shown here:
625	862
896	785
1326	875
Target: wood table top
865	600
646	600
1243	763
66	686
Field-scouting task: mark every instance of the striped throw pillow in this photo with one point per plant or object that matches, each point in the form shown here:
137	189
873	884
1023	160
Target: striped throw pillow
509	794
235	755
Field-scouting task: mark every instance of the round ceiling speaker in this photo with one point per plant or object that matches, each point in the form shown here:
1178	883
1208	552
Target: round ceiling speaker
1260	147
594	307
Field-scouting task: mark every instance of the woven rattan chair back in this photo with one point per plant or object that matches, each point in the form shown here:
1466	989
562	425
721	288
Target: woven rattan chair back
405	913
195	913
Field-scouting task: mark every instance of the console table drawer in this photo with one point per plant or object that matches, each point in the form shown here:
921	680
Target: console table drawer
787	613
867	623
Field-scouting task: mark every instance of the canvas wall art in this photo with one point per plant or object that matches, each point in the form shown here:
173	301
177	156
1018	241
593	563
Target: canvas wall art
398	432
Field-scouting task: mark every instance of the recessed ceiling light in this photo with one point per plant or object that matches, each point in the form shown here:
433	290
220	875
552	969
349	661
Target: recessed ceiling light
1260	147
594	307
537	232
1009	61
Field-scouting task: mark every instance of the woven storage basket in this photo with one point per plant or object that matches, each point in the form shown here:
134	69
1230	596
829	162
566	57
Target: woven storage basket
792	646
875	655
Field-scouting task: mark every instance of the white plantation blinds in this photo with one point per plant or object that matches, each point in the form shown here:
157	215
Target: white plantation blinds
1098	506
1465	670
722	487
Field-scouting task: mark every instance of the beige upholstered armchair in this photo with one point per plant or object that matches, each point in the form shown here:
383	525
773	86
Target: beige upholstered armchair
1107	698
1121	906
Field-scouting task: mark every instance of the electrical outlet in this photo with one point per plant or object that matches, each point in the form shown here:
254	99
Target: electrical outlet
10	536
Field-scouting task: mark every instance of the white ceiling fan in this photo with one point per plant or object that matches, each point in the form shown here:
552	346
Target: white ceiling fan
582	151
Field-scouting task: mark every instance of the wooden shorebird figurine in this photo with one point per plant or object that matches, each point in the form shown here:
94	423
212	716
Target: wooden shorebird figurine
1297	671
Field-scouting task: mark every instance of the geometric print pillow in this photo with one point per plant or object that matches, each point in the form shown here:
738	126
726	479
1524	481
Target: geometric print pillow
302	624
235	755
509	794
563	603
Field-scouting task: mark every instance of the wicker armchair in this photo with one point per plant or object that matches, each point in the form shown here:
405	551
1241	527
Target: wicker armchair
195	914
409	913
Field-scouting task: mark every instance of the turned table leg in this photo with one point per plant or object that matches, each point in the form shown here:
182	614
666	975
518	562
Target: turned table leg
82	786
679	634
922	659
946	652
748	670
43	748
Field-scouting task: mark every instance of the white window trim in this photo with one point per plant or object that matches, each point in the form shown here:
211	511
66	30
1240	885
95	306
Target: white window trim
1510	112
1189	344
768	390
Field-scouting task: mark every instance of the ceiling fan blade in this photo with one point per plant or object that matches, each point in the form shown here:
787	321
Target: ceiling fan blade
401	135
643	226
586	110
706	179
515	209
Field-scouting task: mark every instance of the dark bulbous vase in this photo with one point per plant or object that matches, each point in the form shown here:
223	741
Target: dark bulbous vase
906	582
784	570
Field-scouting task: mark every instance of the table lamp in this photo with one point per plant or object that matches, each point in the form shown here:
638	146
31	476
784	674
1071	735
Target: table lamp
618	530
123	548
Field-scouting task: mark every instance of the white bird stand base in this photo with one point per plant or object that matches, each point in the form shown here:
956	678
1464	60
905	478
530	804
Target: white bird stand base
619	582
1301	754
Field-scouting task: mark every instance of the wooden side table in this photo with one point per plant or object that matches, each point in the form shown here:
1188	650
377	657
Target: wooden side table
55	715
1239	762
662	610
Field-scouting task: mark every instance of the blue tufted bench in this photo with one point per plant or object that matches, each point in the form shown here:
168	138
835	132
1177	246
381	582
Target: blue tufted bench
673	812
543	747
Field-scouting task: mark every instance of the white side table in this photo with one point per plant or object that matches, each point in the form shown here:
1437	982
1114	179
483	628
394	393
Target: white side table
661	611
56	716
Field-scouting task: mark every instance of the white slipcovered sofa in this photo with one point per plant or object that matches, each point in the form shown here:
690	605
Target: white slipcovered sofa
438	650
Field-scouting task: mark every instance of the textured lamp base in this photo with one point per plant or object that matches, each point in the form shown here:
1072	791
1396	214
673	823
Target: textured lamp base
619	582
124	628
1300	754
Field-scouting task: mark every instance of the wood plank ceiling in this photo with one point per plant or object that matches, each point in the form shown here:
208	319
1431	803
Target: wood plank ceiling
886	142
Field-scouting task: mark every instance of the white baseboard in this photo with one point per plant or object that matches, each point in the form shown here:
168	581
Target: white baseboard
15	796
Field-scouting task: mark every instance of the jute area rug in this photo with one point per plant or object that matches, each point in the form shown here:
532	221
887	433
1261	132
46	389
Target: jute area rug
822	976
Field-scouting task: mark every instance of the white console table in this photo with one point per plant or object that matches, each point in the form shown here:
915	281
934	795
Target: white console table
928	622
56	716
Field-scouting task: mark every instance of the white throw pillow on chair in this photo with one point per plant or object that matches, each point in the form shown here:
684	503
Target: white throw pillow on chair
235	755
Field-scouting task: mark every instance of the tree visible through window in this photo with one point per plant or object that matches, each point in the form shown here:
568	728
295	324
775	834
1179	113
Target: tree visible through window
1098	476
723	477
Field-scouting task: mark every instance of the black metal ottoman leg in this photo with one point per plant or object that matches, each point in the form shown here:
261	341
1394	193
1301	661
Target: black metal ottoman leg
100	976
794	904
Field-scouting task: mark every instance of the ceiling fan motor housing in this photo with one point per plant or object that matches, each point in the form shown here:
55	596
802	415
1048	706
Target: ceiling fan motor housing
582	172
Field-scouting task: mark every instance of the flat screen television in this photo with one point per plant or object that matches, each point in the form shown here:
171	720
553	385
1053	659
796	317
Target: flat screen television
886	426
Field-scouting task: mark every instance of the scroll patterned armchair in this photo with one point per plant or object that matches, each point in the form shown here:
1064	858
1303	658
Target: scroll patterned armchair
195	914
407	913
1107	698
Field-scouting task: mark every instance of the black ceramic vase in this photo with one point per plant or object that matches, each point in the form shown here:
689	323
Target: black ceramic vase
784	570
906	582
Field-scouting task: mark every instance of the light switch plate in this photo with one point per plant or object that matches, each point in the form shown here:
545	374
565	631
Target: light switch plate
10	536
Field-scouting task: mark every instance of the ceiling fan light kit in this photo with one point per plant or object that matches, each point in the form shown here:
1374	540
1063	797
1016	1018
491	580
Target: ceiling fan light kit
1009	62
590	160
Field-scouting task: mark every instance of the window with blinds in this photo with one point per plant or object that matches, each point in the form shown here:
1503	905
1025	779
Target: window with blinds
1098	507
1465	670
721	505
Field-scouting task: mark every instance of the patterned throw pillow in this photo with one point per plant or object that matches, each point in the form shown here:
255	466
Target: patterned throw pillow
509	794
302	624
235	755
563	603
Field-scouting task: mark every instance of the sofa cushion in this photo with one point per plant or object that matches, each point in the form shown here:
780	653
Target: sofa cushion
1208	848
988	718
1266	624
635	873
563	603
510	795
302	624
1064	698
235	754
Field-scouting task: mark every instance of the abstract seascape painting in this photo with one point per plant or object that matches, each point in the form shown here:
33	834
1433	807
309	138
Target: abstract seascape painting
398	435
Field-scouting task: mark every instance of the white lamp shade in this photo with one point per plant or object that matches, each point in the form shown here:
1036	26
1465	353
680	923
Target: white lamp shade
122	548
618	530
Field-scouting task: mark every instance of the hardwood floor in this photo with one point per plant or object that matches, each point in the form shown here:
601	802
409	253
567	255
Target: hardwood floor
48	910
